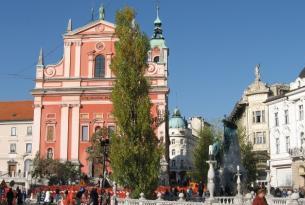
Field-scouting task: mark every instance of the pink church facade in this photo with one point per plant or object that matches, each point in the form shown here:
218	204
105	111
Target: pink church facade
73	97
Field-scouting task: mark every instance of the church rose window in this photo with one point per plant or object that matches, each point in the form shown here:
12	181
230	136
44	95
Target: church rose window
99	70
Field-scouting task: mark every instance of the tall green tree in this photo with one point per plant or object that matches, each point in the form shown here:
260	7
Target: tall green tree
248	158
134	152
201	153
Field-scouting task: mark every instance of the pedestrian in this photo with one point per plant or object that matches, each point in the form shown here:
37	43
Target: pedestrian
24	194
19	196
93	197
57	197
66	199
200	189
302	193
278	192
260	197
42	196
47	199
38	196
108	198
84	199
10	197
103	197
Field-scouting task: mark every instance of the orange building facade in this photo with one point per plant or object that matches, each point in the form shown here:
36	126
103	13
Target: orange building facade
72	98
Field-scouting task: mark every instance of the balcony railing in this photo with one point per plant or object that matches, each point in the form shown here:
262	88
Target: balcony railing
297	152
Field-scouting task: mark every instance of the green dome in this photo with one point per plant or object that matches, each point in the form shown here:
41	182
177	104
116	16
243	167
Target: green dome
176	121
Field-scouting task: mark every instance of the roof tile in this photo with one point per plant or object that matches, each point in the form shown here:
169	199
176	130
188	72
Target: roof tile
16	111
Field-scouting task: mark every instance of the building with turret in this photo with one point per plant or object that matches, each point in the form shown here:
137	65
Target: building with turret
251	116
184	136
72	98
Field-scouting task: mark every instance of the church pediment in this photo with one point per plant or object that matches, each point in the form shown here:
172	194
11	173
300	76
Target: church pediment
93	28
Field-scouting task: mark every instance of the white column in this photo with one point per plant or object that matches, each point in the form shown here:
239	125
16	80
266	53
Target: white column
77	59
64	128
67	51
36	128
75	133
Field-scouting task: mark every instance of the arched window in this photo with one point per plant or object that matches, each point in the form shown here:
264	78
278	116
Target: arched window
99	69
50	153
97	128
156	59
27	166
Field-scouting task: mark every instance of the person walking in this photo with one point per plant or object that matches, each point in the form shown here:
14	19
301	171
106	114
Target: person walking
66	199
47	199
19	196
93	197
200	189
57	197
260	197
10	197
104	197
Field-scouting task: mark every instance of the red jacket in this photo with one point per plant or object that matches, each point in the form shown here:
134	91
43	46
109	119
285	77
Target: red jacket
259	201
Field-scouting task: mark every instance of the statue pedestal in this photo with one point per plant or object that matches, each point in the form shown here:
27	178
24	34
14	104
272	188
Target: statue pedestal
211	184
164	178
238	200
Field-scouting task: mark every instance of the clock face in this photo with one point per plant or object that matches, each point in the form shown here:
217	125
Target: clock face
151	69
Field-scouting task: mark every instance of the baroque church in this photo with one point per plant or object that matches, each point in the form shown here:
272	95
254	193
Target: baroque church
72	98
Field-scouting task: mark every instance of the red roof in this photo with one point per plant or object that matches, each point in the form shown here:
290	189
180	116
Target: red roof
16	111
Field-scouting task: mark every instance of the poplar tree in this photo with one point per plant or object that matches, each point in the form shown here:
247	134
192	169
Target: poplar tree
134	152
201	153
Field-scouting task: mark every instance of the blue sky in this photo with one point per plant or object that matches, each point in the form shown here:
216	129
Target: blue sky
214	44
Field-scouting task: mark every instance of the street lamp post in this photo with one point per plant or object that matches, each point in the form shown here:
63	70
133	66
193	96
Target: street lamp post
211	175
268	177
104	144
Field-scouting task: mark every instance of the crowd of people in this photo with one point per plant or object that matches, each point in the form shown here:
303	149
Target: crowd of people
83	196
13	197
91	196
278	192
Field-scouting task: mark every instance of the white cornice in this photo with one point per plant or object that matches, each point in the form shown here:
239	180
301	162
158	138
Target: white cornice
26	122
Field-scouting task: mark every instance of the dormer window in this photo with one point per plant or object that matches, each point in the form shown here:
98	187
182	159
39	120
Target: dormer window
156	59
99	69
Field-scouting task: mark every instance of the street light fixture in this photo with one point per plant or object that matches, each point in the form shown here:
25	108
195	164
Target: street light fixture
104	142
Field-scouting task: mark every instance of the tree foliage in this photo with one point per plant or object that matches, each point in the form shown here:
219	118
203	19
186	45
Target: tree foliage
134	151
247	156
96	152
201	153
55	171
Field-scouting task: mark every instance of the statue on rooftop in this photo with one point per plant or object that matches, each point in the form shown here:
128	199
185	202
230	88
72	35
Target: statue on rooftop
257	73
102	12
